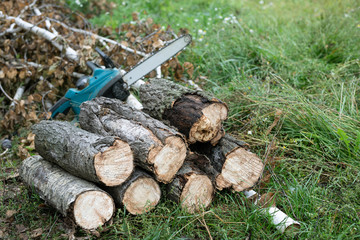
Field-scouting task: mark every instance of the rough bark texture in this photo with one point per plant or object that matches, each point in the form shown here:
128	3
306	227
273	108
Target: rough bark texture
228	163
105	160
139	194
197	115
86	203
191	187
156	147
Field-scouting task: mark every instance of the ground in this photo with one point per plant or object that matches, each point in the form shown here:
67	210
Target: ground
289	72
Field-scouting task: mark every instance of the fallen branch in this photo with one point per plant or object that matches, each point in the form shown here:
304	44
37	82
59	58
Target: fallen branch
282	222
100	38
54	39
47	22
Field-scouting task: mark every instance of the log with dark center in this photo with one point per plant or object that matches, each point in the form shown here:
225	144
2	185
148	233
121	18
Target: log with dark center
191	188
88	205
157	147
107	160
228	163
139	194
195	114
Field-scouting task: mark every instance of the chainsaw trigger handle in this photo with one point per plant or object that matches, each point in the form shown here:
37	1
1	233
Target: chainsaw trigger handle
107	61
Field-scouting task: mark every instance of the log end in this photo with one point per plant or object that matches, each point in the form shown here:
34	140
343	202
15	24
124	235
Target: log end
209	125
197	193
115	164
142	195
169	159
241	170
92	209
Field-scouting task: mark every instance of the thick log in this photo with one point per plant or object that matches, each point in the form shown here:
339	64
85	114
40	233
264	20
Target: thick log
106	160
194	113
191	188
139	194
228	163
156	147
88	205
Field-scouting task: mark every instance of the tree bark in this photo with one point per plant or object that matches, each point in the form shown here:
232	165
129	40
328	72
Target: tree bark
156	147
88	205
106	160
191	188
194	113
139	194
228	163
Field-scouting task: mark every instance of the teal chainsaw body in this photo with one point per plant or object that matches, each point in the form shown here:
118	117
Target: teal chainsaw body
74	97
110	82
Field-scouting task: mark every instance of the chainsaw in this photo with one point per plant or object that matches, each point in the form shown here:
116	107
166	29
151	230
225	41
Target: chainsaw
110	81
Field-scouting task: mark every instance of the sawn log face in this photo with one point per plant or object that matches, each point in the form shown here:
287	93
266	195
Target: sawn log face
105	160
228	163
191	188
194	113
157	147
68	194
139	194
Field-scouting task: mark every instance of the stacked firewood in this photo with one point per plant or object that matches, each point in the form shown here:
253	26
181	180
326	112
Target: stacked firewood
120	156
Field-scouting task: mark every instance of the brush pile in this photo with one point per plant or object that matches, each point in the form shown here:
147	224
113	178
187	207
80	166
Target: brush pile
121	156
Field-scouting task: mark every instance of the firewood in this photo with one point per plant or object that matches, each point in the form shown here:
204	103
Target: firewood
191	188
194	113
156	147
107	160
88	205
228	163
139	194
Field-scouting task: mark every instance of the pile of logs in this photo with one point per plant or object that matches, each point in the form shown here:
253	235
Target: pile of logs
121	156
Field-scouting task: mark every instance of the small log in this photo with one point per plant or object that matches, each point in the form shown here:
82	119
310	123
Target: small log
106	160
139	194
88	205
191	188
228	163
156	147
194	113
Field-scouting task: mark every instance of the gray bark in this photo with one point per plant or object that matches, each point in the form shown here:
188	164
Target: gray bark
228	164
146	135
160	94
57	187
75	149
194	113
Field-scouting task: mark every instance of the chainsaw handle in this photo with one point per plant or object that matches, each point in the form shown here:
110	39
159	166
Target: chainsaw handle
61	106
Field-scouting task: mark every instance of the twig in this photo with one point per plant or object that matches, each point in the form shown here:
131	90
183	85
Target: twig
55	40
19	92
4	152
26	8
6	93
99	37
10	30
47	22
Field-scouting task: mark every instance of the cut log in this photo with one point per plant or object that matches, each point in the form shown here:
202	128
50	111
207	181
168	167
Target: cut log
106	160
156	147
228	163
194	113
139	194
88	205
191	188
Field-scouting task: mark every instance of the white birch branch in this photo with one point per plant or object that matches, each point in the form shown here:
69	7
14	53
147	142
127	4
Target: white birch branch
69	52
100	38
281	221
47	22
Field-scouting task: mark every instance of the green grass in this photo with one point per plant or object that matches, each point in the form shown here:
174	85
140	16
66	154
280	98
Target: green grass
299	57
